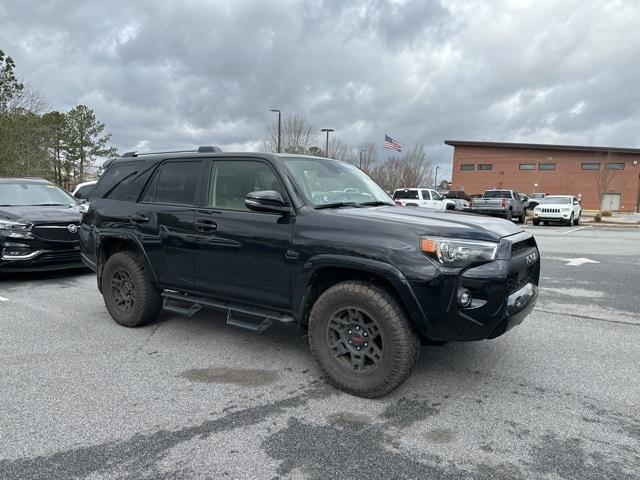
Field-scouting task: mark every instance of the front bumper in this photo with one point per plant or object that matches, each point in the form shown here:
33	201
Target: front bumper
26	252
503	293
552	217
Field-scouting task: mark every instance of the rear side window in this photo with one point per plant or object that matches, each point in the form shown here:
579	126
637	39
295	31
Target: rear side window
425	195
406	194
116	180
177	183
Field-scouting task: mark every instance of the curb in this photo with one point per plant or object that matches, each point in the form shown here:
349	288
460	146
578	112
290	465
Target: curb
610	224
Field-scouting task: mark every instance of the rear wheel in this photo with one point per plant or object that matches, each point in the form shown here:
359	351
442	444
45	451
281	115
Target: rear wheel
508	215
128	290
361	339
523	217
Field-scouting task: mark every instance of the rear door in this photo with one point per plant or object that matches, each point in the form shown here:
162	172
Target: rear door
165	220
242	254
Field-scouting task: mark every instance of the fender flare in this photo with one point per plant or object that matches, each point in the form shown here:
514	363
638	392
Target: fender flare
396	278
101	237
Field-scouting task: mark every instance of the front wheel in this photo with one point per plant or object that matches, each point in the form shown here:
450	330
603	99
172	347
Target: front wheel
576	222
128	290
361	339
536	221
570	221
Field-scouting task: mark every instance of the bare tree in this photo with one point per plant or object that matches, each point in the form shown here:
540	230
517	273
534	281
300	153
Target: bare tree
412	169
603	175
369	156
296	136
341	150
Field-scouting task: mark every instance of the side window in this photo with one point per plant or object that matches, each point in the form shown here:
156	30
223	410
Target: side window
177	183
425	195
436	196
230	181
117	178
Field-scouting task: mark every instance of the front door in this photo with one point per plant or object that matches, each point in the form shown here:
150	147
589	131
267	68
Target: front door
164	219
241	254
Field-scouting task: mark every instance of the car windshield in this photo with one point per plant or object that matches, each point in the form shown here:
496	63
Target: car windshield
327	182
557	200
405	194
497	194
20	194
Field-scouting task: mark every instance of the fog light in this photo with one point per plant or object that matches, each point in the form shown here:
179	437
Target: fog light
464	298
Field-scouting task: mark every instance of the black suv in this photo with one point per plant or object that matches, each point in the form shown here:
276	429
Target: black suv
39	225
314	242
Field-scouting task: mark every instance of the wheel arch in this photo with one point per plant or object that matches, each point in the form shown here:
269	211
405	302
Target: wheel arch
325	271
108	245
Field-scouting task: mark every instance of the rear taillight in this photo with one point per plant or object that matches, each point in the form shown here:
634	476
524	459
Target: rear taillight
504	203
471	202
398	204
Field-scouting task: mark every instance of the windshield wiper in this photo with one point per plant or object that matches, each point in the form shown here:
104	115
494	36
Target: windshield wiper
337	205
49	205
377	203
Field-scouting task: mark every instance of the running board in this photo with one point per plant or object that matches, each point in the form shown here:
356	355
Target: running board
189	305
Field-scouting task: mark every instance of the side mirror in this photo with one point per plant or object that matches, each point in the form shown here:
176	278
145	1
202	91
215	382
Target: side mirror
266	201
576	203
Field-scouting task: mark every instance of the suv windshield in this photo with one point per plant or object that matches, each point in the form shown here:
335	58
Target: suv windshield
326	182
557	200
21	194
497	194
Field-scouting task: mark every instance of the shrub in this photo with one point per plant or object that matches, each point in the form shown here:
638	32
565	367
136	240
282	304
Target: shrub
597	218
606	213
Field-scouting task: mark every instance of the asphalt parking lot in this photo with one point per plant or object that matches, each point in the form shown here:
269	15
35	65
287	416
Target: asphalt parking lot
557	397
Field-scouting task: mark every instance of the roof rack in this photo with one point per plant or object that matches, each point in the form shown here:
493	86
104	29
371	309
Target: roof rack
201	149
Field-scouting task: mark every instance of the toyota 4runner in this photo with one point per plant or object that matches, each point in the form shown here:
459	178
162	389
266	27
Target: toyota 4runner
307	241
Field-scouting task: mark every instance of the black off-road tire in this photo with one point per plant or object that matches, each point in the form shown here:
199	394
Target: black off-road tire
536	221
400	345
146	302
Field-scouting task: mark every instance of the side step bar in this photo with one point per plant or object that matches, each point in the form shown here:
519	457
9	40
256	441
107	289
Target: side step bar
189	305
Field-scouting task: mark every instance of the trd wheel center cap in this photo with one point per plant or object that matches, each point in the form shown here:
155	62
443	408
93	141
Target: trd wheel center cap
357	340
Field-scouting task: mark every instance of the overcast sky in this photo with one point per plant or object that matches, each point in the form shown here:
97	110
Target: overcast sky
166	74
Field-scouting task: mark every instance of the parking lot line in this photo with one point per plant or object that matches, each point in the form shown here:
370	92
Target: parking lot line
575	230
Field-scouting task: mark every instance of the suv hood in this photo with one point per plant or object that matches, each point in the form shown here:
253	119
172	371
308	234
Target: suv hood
437	222
39	214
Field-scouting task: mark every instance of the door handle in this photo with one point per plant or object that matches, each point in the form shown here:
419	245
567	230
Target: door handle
139	218
205	226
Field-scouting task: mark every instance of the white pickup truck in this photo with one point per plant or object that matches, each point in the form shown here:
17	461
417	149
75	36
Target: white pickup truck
425	197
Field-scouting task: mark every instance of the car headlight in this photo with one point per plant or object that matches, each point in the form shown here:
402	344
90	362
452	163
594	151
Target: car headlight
565	210
11	225
455	252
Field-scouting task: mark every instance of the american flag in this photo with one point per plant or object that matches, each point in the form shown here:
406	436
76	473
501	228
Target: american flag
392	144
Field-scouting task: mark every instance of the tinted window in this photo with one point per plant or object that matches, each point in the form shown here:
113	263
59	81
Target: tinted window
527	166
615	166
467	166
590	166
485	166
405	194
231	181
84	192
547	166
425	195
118	175
497	194
177	183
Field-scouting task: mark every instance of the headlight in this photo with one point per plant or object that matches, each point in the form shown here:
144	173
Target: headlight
566	209
11	225
454	252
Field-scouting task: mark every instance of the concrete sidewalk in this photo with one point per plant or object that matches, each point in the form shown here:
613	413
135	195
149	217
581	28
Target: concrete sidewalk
616	218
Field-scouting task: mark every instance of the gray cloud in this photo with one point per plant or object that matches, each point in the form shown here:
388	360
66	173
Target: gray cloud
176	74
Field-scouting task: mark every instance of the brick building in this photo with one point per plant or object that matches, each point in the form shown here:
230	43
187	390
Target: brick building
604	178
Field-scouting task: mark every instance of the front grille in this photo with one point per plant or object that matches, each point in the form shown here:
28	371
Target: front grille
522	245
56	232
517	280
550	210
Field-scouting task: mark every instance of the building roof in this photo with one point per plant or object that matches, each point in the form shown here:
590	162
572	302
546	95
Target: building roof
540	146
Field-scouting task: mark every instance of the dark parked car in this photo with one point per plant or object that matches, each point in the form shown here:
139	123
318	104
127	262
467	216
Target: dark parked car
39	225
306	241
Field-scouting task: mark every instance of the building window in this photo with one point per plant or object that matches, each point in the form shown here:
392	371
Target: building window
590	166
615	166
547	166
527	166
485	166
467	166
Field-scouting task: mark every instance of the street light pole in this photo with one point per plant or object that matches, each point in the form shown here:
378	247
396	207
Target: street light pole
435	180
361	158
326	149
276	110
